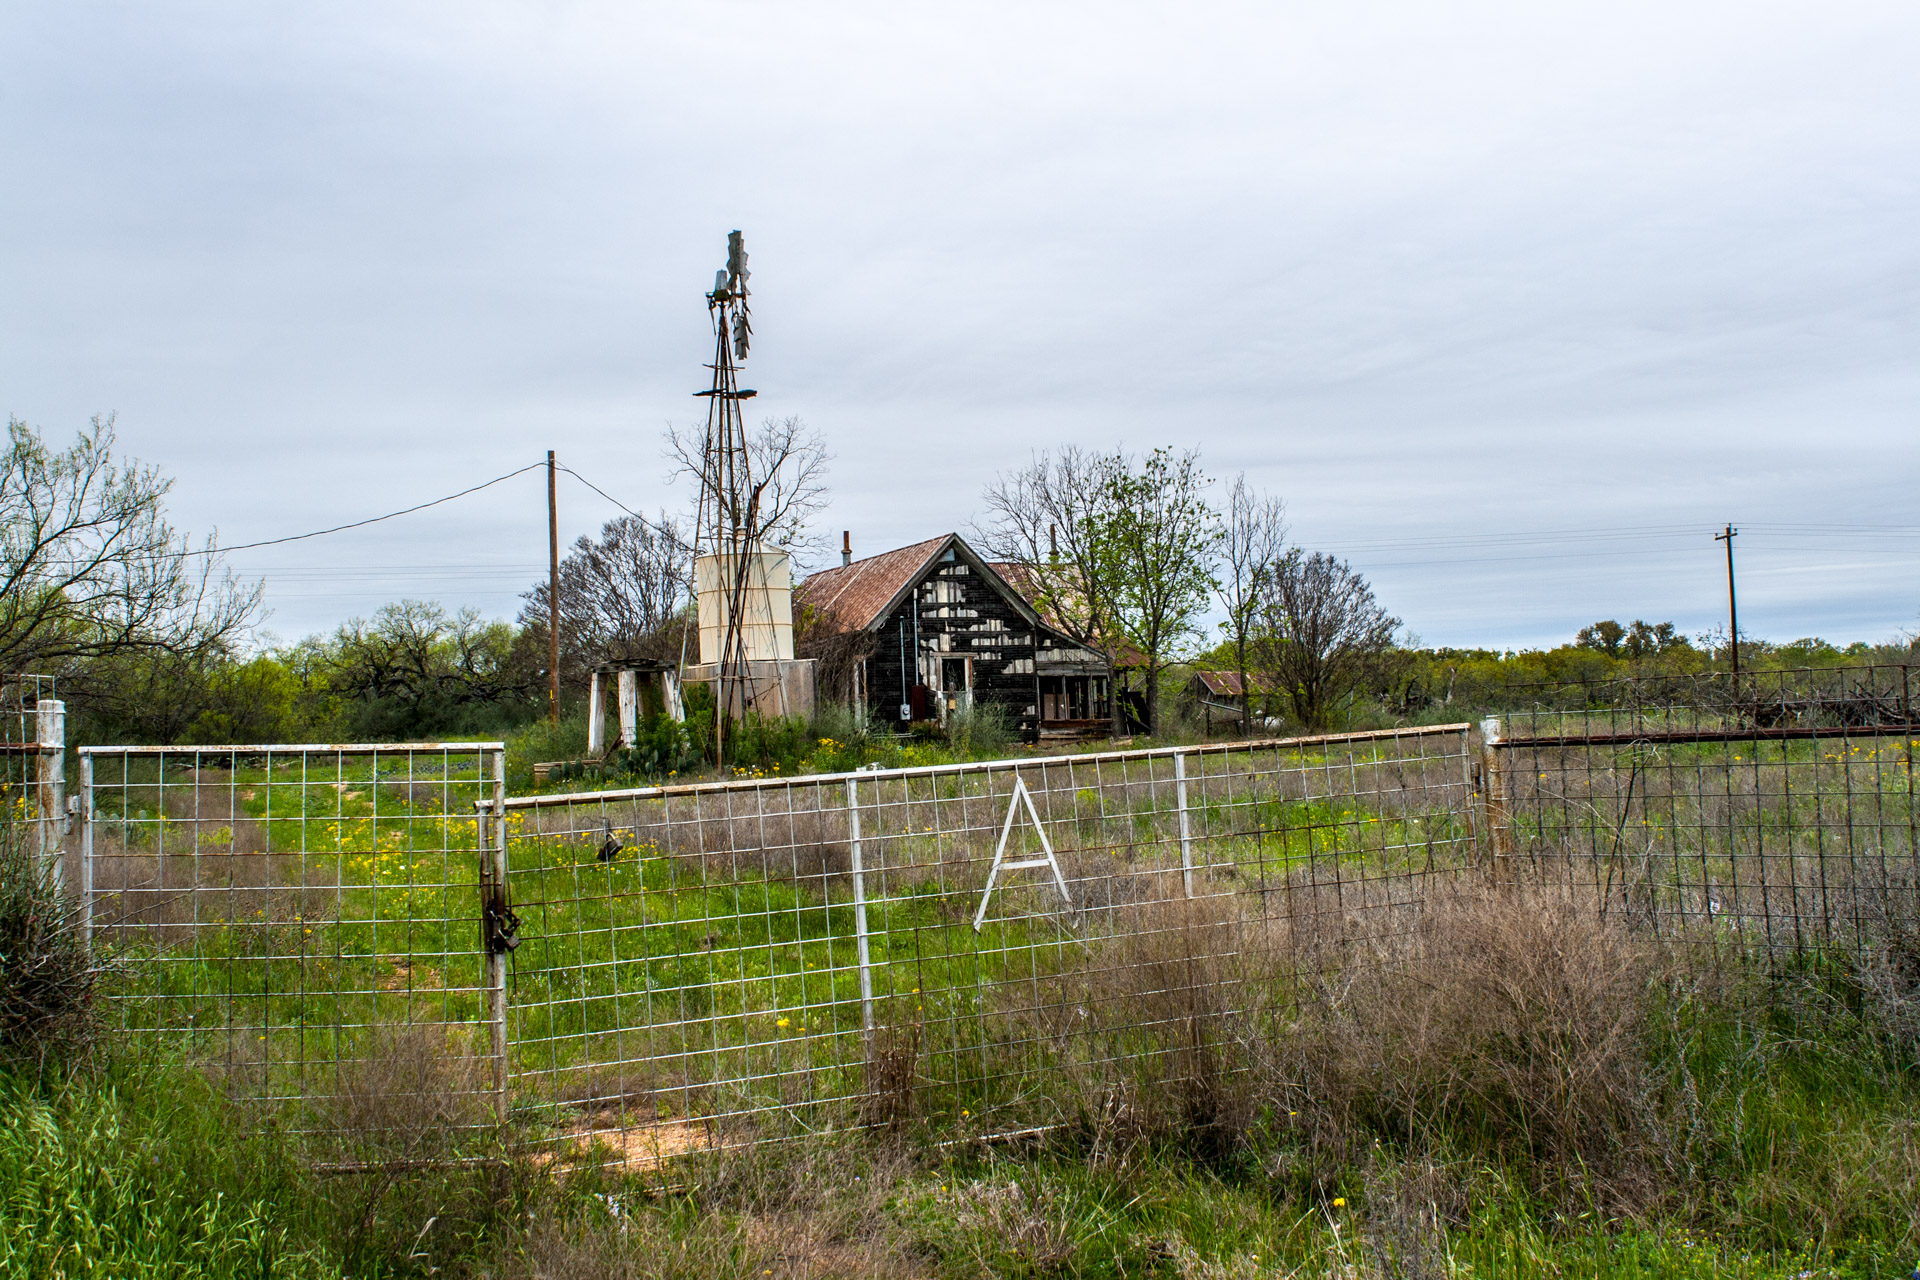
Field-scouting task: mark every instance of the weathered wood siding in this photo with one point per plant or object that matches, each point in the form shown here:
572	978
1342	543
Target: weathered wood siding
956	612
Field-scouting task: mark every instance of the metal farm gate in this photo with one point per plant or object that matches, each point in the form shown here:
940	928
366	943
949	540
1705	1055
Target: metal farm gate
643	972
282	912
637	973
1770	813
734	962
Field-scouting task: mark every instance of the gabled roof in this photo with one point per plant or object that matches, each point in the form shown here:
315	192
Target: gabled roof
1222	684
862	595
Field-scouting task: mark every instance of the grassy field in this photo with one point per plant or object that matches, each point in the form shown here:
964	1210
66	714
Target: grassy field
1347	1054
1781	1138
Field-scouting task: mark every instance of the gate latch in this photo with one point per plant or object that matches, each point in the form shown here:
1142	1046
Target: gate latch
502	926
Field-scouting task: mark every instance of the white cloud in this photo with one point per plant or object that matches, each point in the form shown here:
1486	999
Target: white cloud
1426	270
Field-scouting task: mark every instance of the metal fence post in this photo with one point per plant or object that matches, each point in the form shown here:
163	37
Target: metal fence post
1186	835
1494	785
860	908
1472	805
495	905
50	783
86	849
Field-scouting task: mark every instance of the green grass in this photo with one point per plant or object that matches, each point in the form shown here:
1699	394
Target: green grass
719	986
1804	1166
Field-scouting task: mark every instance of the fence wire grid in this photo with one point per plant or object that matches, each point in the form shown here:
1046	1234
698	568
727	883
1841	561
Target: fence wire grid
707	965
32	767
642	973
283	912
1775	812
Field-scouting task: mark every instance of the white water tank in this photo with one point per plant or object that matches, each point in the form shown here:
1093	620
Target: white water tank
766	614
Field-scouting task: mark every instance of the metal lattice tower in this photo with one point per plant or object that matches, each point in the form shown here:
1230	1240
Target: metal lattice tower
727	525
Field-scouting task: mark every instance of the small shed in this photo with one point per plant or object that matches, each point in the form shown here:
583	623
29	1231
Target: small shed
1217	695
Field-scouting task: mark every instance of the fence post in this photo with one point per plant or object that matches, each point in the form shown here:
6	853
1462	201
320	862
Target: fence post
50	783
1494	787
596	718
860	908
1186	835
86	849
627	694
494	909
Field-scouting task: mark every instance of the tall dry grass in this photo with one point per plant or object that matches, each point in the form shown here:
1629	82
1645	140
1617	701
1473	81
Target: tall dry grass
1511	1018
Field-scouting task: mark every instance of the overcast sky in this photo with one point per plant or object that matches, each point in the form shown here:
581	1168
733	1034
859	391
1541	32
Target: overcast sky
1514	304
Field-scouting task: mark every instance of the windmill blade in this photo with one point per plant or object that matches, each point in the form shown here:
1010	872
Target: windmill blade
737	272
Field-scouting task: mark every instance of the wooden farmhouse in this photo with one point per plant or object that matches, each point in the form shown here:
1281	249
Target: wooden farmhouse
932	630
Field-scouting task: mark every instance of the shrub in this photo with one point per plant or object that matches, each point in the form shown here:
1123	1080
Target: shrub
980	732
1889	971
1162	1060
47	974
1508	1020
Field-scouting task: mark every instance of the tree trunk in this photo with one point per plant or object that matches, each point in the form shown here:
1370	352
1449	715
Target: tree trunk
1246	693
1153	699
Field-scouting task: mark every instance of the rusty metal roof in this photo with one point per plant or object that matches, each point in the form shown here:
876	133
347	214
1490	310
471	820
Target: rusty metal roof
857	596
1222	684
862	595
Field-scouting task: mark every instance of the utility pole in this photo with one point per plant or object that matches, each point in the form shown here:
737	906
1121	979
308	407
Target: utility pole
1733	614
553	595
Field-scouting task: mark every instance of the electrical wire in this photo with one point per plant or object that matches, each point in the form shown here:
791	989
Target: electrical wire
361	524
602	492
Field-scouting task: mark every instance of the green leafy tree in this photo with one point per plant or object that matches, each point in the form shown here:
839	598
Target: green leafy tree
1602	637
415	670
1155	539
1043	524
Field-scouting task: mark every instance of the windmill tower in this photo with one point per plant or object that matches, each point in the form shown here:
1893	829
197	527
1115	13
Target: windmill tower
743	588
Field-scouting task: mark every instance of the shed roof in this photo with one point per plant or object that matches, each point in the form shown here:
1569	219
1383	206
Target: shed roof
1222	684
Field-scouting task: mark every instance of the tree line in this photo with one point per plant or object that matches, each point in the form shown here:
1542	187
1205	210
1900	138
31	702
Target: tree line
1130	555
153	639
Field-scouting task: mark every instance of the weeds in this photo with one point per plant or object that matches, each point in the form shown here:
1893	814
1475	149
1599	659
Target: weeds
408	1135
47	973
1508	1019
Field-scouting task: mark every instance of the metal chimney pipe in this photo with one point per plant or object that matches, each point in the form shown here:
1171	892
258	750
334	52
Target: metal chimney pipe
846	547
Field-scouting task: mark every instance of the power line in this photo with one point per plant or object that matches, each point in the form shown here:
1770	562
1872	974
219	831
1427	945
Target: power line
361	524
602	492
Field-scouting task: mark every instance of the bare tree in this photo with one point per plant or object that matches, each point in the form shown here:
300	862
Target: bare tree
1043	520
780	483
89	566
837	650
1319	631
624	594
1253	538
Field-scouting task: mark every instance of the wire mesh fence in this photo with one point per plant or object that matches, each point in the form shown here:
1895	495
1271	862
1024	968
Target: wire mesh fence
720	964
1773	813
640	973
32	763
283	913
